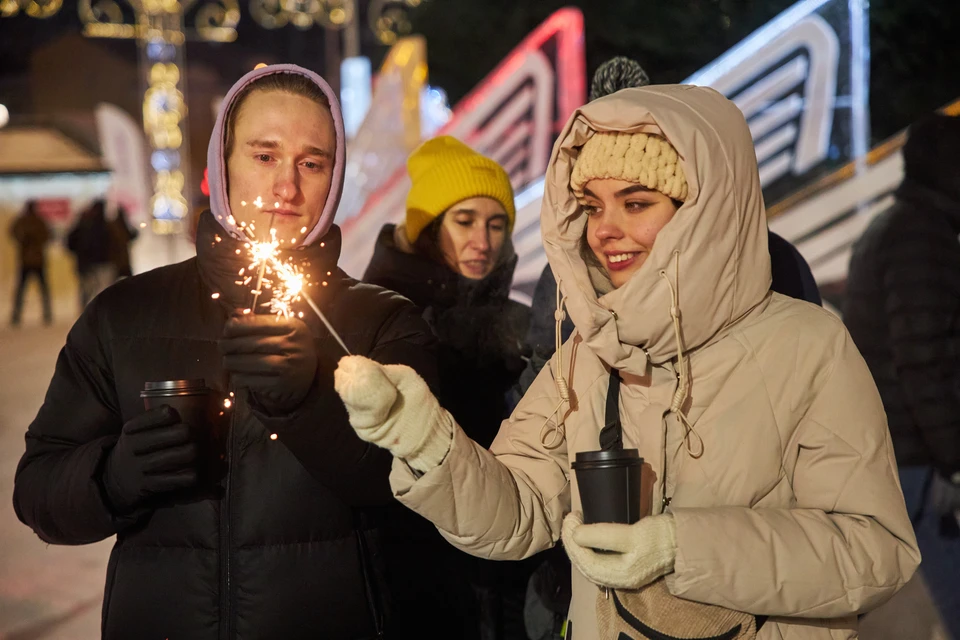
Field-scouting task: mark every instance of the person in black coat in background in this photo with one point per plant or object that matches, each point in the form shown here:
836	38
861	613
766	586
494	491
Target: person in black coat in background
121	235
453	257
31	235
902	308
89	241
287	540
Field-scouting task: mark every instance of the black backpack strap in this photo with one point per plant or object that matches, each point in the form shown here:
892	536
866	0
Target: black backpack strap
611	436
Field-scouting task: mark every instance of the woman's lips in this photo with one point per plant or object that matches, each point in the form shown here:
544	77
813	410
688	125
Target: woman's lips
475	267
621	261
282	212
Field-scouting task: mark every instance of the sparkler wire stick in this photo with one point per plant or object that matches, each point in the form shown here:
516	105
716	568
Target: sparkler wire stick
324	320
263	268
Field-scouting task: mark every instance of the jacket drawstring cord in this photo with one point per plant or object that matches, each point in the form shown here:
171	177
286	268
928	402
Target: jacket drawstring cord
558	431
683	386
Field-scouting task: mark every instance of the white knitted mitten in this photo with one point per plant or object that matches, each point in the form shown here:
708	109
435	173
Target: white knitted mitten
639	553
392	407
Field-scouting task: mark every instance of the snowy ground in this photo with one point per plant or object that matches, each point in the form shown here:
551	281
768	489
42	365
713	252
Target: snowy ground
45	591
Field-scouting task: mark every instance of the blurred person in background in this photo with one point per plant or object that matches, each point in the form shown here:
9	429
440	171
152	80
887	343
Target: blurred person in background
89	240
272	528
31	234
453	257
902	307
121	235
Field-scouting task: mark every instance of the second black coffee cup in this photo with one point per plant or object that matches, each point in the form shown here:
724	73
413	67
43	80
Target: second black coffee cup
609	483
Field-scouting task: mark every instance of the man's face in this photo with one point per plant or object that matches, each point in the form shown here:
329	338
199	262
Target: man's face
280	163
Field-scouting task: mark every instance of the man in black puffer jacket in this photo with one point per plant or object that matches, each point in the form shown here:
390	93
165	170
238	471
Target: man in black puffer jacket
287	541
903	312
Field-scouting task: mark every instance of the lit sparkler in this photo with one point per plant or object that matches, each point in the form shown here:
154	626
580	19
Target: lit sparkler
285	280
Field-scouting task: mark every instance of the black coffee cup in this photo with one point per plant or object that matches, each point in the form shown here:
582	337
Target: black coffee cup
195	403
609	483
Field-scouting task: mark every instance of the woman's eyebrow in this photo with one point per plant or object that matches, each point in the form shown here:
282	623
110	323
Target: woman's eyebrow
630	190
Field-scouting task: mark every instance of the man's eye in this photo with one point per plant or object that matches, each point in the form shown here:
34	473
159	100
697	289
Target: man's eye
264	157
309	164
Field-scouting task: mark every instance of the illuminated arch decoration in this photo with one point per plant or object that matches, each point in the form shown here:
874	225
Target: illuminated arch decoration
801	82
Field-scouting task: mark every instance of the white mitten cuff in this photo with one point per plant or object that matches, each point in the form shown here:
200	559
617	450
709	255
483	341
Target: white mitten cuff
392	407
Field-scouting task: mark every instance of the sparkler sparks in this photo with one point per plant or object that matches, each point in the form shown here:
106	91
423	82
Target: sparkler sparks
285	280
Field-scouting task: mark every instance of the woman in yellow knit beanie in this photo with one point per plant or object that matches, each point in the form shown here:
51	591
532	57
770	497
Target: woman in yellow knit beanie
447	176
453	257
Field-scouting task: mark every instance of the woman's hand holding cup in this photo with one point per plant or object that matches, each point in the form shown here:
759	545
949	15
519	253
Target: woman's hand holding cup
621	556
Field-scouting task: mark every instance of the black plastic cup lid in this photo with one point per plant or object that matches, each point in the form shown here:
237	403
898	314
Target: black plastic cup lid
175	386
607	456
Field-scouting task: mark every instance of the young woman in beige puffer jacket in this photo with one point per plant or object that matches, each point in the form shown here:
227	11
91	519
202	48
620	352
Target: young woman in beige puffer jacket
770	486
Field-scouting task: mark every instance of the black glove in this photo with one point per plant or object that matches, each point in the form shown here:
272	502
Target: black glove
945	501
276	359
155	454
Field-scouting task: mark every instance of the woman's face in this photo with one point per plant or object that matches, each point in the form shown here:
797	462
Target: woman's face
472	235
623	220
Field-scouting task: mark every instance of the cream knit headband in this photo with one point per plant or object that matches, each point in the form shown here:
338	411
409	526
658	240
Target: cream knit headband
647	160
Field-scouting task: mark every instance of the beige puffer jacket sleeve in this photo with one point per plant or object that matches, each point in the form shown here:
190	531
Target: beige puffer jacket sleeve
846	547
507	503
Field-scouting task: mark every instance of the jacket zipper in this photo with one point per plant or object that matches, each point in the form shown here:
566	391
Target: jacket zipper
664	500
225	609
372	595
